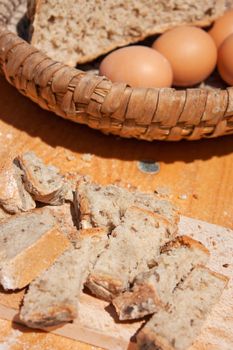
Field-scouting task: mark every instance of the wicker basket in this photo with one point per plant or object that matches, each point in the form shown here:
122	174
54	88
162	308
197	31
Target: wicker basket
148	114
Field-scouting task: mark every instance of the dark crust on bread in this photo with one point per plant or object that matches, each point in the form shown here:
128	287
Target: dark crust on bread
183	241
140	297
110	286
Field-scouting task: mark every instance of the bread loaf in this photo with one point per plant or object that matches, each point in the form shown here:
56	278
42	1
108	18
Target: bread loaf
29	243
78	31
54	296
154	289
177	326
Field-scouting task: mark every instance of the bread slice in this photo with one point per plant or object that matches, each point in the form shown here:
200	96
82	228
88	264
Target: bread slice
154	289
29	243
13	196
104	206
54	296
177	326
75	31
44	182
133	247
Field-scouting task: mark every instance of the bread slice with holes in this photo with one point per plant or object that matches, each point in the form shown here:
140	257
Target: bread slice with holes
74	31
177	326
53	297
154	289
133	247
104	206
29	243
13	196
43	182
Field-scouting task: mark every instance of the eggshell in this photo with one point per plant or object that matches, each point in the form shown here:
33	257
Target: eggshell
225	62
138	66
222	28
191	52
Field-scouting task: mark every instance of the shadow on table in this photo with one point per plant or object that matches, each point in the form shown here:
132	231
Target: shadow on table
24	115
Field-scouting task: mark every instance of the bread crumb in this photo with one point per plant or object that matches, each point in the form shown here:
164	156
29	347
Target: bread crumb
162	191
183	196
9	136
87	157
195	196
70	157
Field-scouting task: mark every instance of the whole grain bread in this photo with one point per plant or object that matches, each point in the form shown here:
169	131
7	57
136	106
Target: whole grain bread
133	247
13	196
44	182
78	31
104	206
154	289
29	243
54	296
177	326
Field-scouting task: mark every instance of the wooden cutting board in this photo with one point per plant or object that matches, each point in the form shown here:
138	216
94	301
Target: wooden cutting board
98	325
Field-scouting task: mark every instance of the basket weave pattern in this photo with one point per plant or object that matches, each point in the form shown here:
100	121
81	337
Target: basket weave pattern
149	114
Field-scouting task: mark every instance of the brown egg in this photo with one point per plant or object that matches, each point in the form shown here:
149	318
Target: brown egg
138	66
191	52
222	28
225	62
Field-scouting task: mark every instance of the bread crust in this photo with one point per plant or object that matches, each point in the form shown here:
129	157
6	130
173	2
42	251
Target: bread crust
133	305
26	266
82	207
105	286
218	275
187	241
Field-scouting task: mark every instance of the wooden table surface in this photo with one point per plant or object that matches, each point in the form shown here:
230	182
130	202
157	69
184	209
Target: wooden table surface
197	176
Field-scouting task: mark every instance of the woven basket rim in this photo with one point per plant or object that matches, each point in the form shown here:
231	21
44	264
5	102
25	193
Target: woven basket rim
145	113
